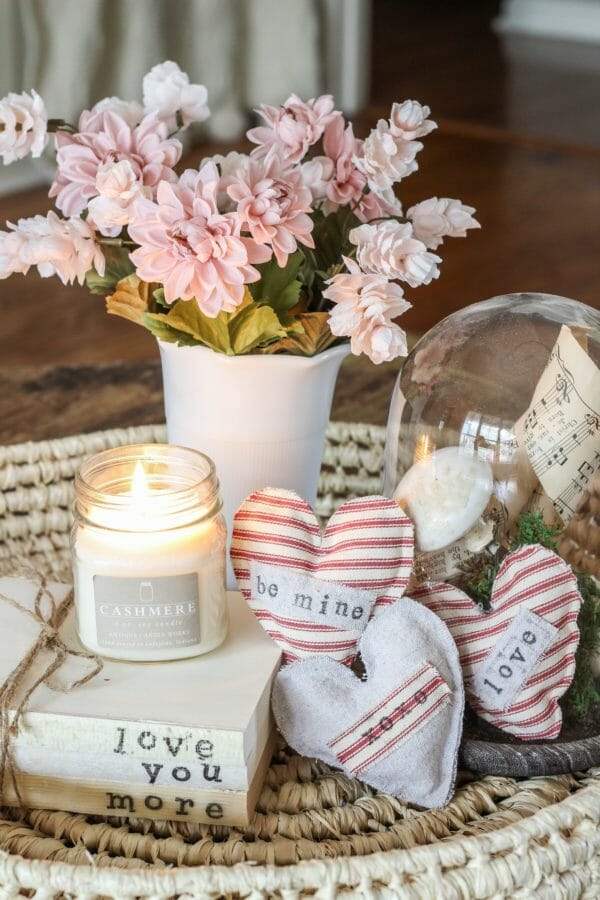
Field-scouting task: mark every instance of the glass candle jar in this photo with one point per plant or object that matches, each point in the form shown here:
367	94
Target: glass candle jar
149	553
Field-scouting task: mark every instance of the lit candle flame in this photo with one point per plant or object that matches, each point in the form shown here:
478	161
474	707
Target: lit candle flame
424	448
139	483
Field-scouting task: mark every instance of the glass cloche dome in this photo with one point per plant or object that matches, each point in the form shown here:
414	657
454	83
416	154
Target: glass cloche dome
496	411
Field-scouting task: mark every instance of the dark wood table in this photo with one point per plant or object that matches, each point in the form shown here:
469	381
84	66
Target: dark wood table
40	402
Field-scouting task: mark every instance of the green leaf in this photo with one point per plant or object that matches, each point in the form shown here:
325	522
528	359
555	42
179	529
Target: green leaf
315	336
159	296
330	234
129	300
118	266
164	332
278	287
186	316
254	326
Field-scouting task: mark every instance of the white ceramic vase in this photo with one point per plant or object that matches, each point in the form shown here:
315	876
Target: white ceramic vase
261	418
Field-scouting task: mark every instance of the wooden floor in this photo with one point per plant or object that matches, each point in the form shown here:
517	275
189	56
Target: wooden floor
519	139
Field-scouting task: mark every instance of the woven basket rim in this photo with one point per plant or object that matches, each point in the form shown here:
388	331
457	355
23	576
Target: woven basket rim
452	853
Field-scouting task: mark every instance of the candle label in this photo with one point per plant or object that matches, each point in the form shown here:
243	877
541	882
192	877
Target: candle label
510	664
147	613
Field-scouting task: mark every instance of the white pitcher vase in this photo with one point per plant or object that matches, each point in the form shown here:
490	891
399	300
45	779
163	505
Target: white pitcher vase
261	418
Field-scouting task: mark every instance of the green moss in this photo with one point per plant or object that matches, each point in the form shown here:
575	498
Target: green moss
531	529
582	696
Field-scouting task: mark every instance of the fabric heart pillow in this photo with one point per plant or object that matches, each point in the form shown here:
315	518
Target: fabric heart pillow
399	729
314	592
518	659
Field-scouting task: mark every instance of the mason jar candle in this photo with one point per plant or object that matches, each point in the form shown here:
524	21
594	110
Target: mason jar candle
149	553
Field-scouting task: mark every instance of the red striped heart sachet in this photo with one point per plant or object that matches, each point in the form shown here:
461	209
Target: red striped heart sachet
518	659
314	592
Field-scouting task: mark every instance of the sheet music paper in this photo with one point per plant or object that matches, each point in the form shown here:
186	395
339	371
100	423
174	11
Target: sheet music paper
561	429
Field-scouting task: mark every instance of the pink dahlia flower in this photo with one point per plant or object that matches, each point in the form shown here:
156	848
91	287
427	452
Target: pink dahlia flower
105	137
129	110
191	248
364	309
63	247
340	145
23	121
292	128
228	166
390	249
273	203
316	175
434	219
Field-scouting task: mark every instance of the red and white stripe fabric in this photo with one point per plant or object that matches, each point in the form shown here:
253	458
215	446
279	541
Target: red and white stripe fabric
405	710
368	544
531	578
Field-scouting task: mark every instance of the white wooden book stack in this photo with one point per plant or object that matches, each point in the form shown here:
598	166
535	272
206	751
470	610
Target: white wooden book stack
188	740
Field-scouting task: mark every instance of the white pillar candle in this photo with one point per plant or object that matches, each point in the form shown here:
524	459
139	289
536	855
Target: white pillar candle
445	495
149	554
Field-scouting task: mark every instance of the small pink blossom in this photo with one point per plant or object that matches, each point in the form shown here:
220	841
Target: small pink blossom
273	203
386	158
191	248
364	309
167	90
23	123
390	249
340	145
380	339
292	128
434	219
348	185
118	188
316	175
12	243
63	247
129	110
409	120
376	206
105	137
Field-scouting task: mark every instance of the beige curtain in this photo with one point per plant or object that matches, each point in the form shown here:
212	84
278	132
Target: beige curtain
246	51
74	52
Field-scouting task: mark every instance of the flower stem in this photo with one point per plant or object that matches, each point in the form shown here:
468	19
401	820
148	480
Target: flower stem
116	242
60	125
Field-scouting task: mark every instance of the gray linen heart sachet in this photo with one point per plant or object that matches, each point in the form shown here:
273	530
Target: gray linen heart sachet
401	728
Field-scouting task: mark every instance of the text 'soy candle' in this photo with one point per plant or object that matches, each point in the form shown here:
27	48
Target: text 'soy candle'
149	553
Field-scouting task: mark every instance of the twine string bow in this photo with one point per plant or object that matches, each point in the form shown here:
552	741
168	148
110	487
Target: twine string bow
49	616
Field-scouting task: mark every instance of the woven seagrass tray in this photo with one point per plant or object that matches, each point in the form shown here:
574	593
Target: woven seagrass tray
316	832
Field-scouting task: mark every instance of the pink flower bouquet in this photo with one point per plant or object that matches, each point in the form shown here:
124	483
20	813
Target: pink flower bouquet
290	249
